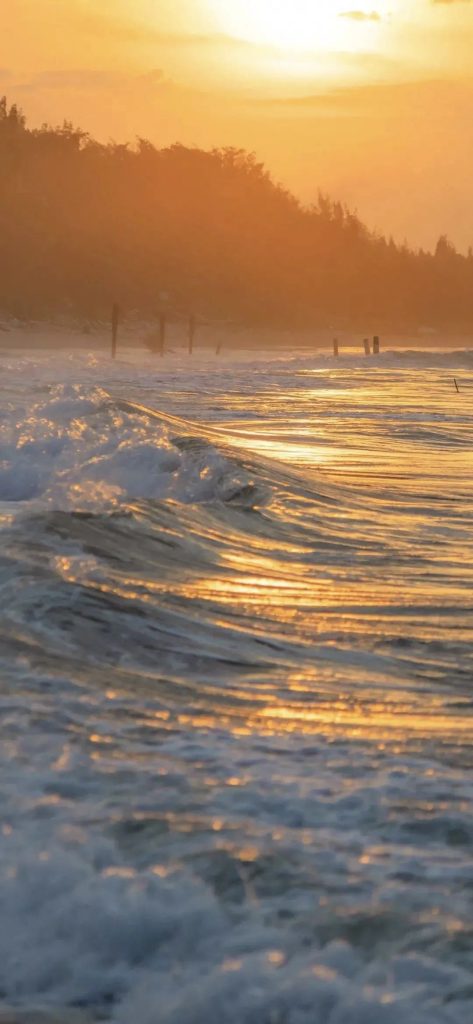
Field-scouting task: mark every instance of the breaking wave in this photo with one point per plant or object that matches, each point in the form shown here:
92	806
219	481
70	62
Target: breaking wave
235	685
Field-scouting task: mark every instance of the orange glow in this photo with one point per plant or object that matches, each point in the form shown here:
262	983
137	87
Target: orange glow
319	88
304	24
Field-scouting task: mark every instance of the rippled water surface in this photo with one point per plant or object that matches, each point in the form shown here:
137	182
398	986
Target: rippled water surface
236	688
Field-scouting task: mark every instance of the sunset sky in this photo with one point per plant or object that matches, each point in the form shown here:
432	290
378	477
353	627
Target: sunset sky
371	101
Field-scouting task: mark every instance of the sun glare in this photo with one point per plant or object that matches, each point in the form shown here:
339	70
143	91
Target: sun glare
326	25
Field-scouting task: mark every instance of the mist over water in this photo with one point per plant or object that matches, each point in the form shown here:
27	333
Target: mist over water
235	688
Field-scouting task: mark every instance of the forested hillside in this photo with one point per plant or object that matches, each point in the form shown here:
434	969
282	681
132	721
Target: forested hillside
83	224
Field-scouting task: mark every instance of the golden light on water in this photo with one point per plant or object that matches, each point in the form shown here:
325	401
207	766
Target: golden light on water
319	622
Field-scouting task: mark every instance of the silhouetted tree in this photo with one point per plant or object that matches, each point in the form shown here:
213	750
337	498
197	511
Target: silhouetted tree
82	224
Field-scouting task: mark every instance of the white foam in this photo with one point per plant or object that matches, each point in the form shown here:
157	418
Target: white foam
233	783
164	919
75	450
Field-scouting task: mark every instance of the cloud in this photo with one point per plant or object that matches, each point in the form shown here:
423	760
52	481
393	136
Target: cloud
87	80
362	15
395	99
86	19
185	39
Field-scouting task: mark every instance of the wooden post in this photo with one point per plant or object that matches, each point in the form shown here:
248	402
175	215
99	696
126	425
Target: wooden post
192	326
162	332
366	344
115	323
376	345
218	349
456	386
335	347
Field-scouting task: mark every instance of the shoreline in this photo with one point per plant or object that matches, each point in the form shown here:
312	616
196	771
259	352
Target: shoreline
133	336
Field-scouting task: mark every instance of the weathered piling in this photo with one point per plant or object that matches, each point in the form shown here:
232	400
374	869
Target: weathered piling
456	386
115	325
192	329
367	347
162	333
335	347
376	345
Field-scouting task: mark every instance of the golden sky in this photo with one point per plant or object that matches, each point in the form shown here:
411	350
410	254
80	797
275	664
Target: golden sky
370	100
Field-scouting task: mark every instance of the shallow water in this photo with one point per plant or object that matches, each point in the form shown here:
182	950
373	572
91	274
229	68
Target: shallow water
235	685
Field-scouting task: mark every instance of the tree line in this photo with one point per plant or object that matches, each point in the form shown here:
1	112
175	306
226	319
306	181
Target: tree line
83	224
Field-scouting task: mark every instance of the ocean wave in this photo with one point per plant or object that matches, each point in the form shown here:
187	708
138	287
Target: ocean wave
235	688
80	450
